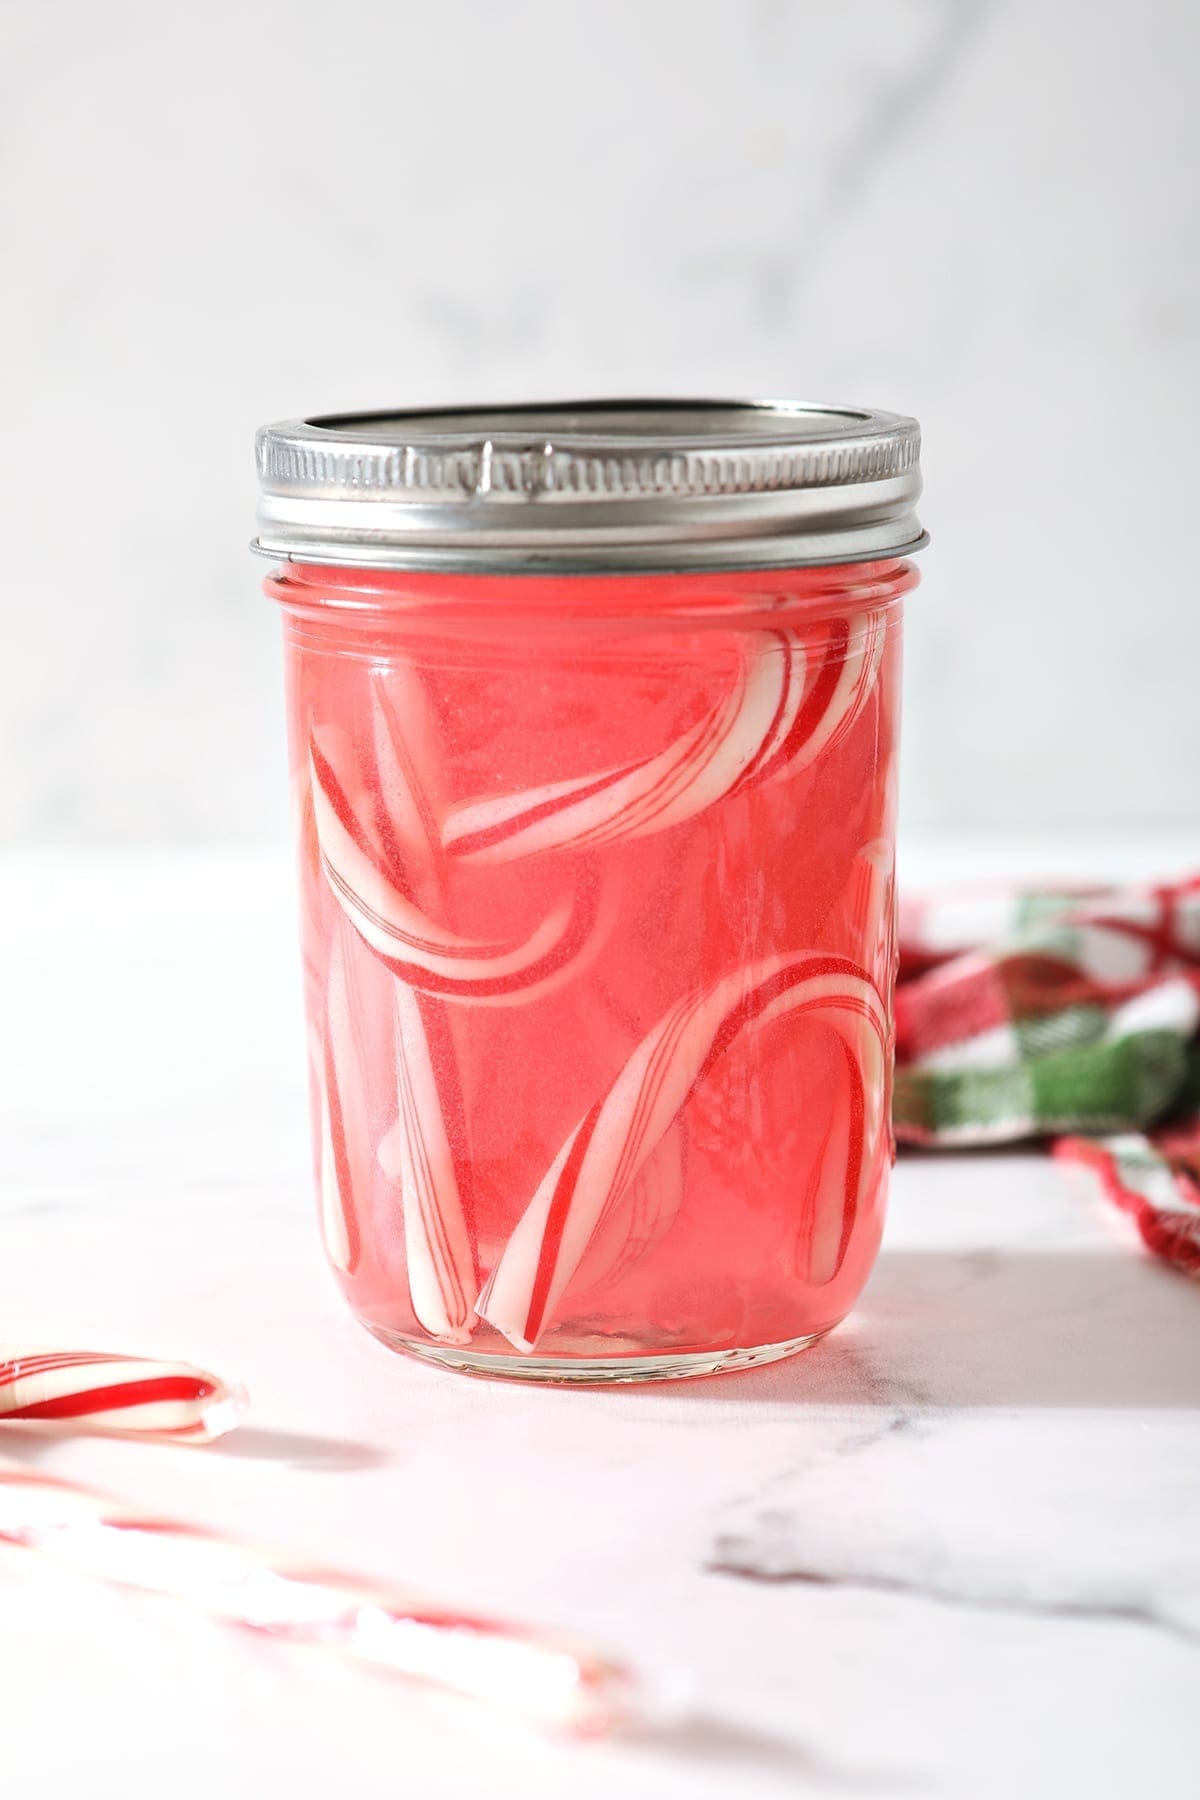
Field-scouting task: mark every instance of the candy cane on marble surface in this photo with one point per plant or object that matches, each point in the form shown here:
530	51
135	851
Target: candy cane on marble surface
604	1152
94	1391
375	891
547	1680
769	723
425	1153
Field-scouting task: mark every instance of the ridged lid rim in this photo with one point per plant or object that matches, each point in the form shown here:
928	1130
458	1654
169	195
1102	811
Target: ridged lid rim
591	485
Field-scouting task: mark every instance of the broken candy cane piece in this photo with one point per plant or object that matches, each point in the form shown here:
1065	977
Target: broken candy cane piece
93	1391
606	1149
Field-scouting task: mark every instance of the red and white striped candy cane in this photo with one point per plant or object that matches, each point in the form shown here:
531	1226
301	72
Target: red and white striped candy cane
345	1170
547	1680
93	1391
365	867
648	1209
636	799
604	1152
771	722
425	1153
840	683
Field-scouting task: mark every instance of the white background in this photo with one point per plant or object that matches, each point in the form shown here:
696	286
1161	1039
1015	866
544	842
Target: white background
974	210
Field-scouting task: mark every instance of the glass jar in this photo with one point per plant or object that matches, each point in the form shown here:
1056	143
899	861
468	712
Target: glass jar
593	715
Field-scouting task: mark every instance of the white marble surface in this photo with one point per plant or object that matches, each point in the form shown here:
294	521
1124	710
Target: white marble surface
975	210
952	1551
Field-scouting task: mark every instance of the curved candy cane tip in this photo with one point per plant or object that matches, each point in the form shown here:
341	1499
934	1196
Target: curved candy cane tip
94	1391
428	956
495	830
402	789
604	1153
842	684
767	724
633	800
781	660
560	948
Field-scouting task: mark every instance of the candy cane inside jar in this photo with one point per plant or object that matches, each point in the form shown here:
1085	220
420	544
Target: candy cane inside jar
593	720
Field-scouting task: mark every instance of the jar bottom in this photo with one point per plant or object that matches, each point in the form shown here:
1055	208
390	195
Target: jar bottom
594	1371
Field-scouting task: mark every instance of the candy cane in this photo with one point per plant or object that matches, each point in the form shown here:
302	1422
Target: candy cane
638	798
550	1681
649	1208
360	858
841	685
346	1125
864	915
606	1149
97	1392
768	724
425	1152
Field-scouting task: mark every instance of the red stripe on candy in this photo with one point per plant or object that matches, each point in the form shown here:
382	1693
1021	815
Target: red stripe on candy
122	1394
560	1206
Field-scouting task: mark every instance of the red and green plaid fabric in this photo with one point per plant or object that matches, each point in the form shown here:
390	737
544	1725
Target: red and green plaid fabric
1071	1016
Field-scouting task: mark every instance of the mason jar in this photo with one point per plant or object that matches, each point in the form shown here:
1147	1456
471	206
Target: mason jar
593	719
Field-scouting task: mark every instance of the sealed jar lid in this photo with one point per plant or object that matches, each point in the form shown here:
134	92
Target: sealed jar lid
592	485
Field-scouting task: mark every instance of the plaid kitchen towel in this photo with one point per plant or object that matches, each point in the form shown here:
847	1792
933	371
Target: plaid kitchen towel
1072	1016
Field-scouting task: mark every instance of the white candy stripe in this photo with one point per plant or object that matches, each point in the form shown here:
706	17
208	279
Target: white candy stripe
92	1391
547	1680
635	800
606	1149
442	1273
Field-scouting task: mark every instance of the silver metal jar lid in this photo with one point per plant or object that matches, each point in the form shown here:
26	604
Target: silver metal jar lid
593	485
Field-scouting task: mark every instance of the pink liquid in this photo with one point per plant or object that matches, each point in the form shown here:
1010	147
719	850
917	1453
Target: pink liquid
426	715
